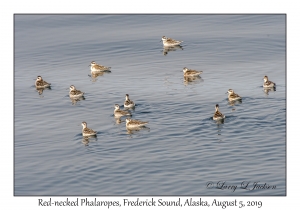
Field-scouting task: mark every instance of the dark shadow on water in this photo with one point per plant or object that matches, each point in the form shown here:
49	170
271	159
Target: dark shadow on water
145	112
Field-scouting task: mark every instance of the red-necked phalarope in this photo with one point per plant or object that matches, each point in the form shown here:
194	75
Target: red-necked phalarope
130	123
128	103
218	115
170	42
87	131
74	93
191	73
40	83
98	68
267	83
119	113
232	96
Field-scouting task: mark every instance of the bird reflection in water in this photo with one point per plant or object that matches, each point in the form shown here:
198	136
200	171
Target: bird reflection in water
171	48
232	103
192	80
219	127
267	90
131	131
87	139
41	90
219	122
94	75
75	100
118	120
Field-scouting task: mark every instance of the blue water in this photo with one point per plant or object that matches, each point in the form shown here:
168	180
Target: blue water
182	149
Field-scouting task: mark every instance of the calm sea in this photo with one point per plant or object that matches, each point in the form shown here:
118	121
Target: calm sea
182	151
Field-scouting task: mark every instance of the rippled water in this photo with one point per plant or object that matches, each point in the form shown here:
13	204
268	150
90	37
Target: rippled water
182	149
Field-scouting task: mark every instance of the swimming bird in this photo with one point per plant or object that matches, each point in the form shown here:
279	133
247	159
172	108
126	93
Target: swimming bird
119	113
40	83
232	96
98	68
128	103
190	73
74	93
170	42
267	83
87	131
130	123
218	115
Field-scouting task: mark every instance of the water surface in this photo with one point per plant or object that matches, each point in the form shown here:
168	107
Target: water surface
182	148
